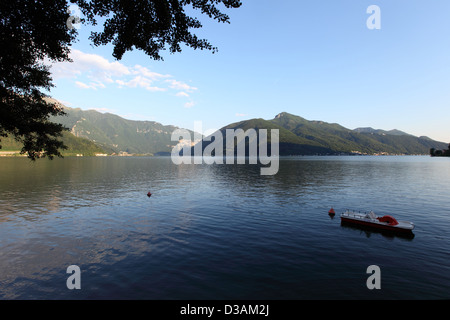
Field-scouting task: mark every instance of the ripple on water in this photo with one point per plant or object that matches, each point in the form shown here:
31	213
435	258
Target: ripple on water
212	232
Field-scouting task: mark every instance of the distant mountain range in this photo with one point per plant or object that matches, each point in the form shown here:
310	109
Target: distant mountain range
91	132
115	134
299	136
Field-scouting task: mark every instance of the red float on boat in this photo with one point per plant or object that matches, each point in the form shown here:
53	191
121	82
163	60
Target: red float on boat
370	219
390	220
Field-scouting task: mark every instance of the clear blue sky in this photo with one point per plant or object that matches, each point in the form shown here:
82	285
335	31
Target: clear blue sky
315	59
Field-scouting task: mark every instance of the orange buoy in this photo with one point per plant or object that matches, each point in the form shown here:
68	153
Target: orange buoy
331	212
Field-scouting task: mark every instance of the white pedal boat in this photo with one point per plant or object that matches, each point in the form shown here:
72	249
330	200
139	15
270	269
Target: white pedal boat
386	222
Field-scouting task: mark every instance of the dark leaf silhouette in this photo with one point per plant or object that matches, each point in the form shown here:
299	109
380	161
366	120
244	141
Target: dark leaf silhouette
35	31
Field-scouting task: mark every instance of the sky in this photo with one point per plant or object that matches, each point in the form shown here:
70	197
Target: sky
315	59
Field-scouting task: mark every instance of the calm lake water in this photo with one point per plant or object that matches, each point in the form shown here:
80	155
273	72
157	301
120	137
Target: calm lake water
221	231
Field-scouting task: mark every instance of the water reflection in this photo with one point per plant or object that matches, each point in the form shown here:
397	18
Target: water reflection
62	184
294	179
367	231
211	231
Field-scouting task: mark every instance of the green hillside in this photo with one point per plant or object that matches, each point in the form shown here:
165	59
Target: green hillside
115	134
90	132
78	145
299	136
290	143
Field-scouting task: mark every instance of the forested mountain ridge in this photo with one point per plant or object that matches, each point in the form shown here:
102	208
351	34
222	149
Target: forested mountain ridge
299	136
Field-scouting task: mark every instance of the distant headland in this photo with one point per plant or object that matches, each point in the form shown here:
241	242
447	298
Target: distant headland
440	153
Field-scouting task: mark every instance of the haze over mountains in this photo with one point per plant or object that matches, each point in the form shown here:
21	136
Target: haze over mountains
92	132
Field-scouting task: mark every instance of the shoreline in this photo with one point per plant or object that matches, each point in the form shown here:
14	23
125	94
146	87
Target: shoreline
15	154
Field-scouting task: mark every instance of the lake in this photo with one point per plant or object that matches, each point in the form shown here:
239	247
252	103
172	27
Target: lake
222	231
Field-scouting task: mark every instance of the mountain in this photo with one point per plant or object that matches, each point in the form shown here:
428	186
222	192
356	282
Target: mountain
394	132
115	134
289	141
93	132
299	136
